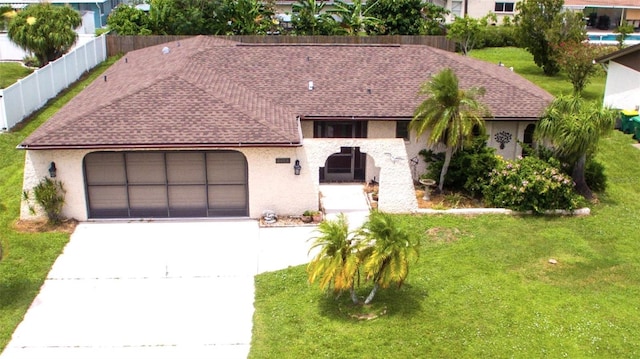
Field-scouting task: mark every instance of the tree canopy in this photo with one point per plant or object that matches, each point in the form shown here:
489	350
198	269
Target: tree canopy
543	23
576	59
409	17
45	30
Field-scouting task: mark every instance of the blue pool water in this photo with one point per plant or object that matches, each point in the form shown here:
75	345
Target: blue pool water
612	37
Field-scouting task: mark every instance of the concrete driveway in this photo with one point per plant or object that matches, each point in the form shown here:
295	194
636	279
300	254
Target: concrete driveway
155	290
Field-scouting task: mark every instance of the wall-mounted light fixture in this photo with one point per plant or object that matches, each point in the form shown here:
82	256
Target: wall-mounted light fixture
53	170
297	168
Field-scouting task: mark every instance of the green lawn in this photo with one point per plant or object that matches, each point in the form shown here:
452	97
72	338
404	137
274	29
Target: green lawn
11	72
522	63
28	256
484	287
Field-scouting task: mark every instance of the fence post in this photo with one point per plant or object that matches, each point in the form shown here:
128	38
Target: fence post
3	115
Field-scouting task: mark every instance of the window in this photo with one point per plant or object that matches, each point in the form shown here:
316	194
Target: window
402	130
456	8
504	7
335	129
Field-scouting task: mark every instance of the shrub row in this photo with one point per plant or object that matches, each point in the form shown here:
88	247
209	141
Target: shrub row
538	182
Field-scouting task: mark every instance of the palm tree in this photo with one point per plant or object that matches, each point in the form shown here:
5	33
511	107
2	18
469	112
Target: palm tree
449	114
391	248
309	19
337	262
354	16
573	128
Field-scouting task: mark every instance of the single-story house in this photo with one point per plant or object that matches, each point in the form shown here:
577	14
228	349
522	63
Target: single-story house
209	127
622	88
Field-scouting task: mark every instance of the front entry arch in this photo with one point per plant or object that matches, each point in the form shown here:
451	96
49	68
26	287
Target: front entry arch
348	165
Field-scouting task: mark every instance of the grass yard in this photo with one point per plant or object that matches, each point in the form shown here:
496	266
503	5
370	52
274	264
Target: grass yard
27	256
11	72
522	63
484	286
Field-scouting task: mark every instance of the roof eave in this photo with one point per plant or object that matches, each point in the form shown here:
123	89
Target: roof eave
619	53
181	146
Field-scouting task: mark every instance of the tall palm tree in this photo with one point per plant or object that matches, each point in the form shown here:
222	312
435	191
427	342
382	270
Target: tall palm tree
336	265
449	114
573	128
391	248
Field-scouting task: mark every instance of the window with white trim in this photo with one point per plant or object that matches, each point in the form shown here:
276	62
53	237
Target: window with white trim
504	7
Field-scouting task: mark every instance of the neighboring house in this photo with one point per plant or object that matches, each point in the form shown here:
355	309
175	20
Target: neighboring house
474	8
99	9
479	8
622	89
607	14
209	127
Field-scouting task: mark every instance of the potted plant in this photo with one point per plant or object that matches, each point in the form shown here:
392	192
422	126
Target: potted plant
311	215
317	216
307	216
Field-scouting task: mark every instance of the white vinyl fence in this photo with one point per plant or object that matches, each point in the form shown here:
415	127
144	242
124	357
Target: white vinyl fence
31	93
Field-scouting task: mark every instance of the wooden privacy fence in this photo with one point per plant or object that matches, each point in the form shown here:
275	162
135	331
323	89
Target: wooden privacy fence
122	44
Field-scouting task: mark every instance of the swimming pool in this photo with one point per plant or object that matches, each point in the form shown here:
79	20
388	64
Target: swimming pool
606	38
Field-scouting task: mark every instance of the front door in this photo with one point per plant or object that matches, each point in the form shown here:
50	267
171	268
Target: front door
346	166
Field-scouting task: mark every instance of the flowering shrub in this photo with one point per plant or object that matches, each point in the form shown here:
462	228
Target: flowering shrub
530	184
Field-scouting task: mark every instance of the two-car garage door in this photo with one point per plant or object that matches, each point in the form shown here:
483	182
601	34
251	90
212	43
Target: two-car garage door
166	184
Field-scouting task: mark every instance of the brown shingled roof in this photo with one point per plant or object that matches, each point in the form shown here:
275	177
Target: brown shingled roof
212	92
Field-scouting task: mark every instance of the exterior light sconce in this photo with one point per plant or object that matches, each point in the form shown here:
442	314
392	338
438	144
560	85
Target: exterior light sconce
297	168
53	170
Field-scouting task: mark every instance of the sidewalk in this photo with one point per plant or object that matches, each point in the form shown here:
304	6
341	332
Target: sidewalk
349	199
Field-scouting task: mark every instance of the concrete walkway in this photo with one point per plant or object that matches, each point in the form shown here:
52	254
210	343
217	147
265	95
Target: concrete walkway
349	199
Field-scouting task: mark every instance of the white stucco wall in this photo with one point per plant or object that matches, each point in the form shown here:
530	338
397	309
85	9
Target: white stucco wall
396	191
271	186
511	149
69	172
622	89
274	186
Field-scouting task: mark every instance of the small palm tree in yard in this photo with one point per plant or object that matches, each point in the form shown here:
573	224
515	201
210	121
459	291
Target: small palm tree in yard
573	128
391	248
336	265
382	249
449	114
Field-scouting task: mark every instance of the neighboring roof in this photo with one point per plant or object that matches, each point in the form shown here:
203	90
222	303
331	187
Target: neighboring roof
211	92
23	3
602	3
620	53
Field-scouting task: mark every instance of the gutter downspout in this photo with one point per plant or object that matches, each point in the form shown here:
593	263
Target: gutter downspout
299	128
100	14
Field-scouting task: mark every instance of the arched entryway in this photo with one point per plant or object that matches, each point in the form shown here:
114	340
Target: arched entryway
166	184
348	165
